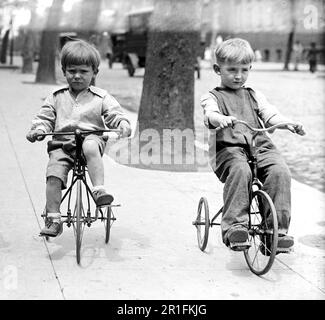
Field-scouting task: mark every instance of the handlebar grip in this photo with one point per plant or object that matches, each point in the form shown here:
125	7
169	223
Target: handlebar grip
112	135
41	135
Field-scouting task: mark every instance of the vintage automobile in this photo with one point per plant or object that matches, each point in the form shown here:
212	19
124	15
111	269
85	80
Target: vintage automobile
64	37
130	47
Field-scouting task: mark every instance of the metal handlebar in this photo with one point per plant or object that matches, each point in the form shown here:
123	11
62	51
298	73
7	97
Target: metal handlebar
77	131
260	129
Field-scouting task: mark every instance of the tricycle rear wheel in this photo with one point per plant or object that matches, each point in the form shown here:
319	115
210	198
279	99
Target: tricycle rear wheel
202	223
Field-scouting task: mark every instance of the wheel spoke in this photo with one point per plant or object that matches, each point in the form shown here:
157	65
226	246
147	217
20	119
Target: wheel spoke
202	223
263	229
256	252
79	212
108	221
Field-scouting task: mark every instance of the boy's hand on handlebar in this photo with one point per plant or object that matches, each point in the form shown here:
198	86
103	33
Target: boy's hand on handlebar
226	121
34	135
125	129
297	128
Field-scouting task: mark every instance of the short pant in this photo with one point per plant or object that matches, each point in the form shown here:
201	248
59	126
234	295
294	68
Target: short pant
62	155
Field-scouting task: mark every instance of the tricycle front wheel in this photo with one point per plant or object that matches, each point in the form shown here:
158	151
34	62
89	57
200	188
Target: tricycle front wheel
263	233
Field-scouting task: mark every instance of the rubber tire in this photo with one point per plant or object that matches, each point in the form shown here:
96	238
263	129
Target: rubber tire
255	250
130	68
78	211
108	224
202	240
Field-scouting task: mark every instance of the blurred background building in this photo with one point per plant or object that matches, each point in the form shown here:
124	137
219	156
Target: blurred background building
267	24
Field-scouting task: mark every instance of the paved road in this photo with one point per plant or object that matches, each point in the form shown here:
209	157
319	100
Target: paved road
153	252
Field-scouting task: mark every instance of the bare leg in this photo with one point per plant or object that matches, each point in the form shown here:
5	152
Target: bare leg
53	226
94	162
96	172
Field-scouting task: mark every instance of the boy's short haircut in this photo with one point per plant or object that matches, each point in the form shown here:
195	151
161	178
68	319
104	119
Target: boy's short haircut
79	52
234	50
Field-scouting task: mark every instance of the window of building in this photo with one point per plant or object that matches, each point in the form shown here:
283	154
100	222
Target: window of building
266	55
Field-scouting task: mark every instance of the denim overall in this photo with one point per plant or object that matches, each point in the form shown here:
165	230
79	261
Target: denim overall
231	149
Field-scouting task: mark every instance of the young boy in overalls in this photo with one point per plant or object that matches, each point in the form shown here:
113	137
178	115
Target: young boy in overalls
76	106
228	147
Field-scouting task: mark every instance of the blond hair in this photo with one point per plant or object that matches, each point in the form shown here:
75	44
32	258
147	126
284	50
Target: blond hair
80	52
234	50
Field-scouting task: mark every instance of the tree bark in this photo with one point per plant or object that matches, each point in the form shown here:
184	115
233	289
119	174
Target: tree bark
28	51
289	50
48	47
4	47
90	11
167	101
168	88
293	21
29	42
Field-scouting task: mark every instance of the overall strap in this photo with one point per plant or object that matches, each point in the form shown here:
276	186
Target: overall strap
220	100
254	105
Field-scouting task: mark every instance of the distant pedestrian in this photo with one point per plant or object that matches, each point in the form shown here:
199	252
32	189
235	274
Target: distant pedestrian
93	40
312	57
258	55
207	54
197	66
76	106
228	148
218	41
297	54
109	52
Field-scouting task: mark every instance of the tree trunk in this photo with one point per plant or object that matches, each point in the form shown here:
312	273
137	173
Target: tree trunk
289	50
29	41
28	51
4	47
49	40
168	88
90	11
293	21
167	101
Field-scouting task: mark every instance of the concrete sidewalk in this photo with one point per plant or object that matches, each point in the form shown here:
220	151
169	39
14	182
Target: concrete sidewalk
153	251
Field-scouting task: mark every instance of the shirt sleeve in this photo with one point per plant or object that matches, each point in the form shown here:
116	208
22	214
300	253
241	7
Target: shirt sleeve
209	104
112	112
266	110
45	118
